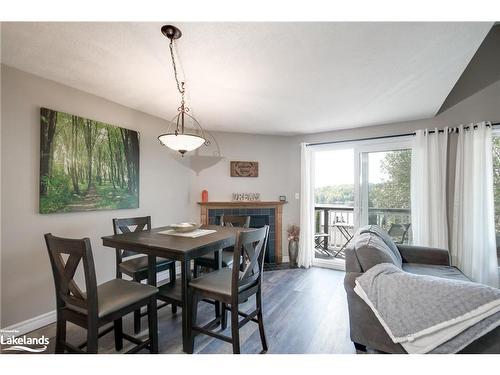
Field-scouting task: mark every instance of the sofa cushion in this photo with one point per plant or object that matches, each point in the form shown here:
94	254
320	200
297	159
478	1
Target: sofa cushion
445	272
371	250
375	229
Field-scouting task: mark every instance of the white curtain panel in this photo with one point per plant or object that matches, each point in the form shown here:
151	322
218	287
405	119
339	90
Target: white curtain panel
428	188
306	240
473	244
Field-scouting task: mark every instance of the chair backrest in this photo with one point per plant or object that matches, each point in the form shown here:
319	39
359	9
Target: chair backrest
235	221
250	248
68	294
128	225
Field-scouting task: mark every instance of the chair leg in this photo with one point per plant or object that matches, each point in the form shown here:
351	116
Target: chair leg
153	325
60	336
193	301
137	316
172	278
260	318
195	270
118	330
92	337
171	273
235	331
223	317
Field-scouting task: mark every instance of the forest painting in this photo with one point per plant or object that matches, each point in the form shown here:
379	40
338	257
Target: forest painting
86	165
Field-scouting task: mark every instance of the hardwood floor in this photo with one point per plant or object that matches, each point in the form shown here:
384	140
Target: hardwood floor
305	311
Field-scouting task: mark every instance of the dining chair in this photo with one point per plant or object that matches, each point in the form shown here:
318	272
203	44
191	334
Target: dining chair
99	304
232	286
136	267
208	260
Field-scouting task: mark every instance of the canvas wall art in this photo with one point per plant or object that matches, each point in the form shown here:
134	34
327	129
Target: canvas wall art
86	165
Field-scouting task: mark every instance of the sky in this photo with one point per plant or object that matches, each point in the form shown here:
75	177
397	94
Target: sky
336	167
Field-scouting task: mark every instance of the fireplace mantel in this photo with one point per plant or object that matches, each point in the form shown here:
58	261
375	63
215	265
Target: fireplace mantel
242	204
278	209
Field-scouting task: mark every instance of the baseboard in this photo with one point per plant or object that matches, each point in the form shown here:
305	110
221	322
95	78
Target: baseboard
50	317
33	323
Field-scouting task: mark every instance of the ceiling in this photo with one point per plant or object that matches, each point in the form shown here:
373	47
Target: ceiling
267	78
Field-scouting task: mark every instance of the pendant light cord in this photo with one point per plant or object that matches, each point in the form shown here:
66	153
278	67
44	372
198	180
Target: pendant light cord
180	85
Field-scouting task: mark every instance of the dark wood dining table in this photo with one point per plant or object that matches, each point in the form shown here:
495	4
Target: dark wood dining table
182	249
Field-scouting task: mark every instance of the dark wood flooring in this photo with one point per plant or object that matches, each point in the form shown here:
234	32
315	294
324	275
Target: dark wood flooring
305	311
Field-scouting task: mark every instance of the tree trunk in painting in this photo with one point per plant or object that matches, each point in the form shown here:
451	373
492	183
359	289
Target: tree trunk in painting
48	129
74	155
90	135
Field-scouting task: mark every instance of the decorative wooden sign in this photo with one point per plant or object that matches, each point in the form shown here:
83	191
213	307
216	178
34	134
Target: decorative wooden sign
244	169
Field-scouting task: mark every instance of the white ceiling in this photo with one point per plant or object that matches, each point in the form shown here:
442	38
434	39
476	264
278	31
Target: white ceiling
269	78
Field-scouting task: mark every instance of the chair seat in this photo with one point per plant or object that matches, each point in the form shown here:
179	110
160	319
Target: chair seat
209	259
218	282
116	294
137	266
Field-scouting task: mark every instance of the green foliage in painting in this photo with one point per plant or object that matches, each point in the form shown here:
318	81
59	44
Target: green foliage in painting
86	165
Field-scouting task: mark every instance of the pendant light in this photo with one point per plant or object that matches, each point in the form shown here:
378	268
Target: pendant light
185	132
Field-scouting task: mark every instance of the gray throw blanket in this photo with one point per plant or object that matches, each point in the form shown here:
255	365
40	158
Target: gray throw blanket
427	314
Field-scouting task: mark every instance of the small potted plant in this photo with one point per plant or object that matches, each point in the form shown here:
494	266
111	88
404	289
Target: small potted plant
293	244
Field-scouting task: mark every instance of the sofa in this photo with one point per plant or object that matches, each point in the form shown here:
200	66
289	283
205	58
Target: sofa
370	246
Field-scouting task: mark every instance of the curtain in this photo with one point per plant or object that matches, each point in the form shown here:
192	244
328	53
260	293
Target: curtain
428	188
473	243
306	240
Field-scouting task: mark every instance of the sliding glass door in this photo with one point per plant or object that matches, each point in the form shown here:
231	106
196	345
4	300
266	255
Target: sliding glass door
359	183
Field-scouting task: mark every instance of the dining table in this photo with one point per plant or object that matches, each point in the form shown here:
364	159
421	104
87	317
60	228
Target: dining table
154	244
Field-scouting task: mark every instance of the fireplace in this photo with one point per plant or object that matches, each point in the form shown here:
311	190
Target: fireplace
256	221
261	213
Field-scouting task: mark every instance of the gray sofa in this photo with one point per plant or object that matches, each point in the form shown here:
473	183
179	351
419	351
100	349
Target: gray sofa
371	245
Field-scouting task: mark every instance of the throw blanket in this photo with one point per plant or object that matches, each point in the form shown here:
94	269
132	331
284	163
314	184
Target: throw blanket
427	314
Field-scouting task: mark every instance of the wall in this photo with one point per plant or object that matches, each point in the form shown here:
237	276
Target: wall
474	98
26	279
273	155
481	106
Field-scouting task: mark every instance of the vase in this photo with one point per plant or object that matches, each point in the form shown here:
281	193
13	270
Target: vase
293	251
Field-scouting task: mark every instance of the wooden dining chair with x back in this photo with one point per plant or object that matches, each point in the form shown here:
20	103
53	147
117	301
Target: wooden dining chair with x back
137	267
99	304
232	286
208	260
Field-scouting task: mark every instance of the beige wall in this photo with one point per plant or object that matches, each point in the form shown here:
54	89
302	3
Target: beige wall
273	154
168	188
26	279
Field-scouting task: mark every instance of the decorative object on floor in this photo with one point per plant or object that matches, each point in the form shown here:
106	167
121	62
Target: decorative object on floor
204	195
185	227
185	132
86	165
244	169
282	198
293	244
246	197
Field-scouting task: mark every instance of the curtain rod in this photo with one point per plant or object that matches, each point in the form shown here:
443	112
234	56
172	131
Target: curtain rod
386	136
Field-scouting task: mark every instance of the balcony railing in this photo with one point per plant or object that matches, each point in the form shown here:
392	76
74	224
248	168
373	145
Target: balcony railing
334	225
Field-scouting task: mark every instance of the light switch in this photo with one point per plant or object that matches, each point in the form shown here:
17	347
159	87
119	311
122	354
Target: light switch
297	196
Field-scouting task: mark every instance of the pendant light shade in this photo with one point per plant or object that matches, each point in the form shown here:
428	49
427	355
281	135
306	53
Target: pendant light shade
185	132
181	142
